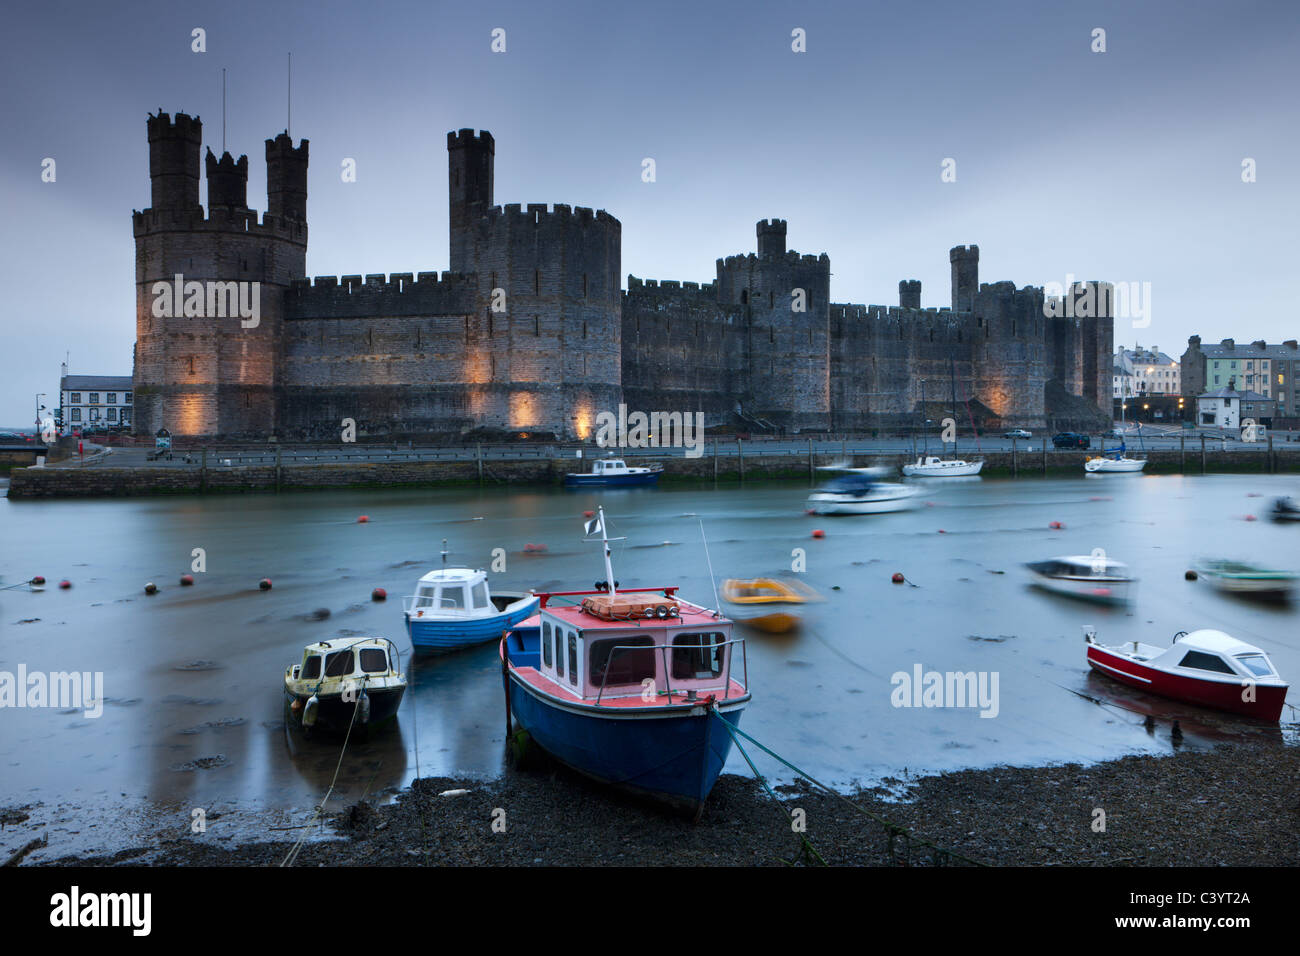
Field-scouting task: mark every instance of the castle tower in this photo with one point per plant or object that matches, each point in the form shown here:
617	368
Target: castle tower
786	302
470	162
909	294
965	276
771	238
286	179
174	161
227	181
203	368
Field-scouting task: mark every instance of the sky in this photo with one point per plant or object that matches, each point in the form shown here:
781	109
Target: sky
1123	165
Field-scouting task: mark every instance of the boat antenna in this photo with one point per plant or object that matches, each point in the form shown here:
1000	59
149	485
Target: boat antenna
925	421
444	553
604	541
716	603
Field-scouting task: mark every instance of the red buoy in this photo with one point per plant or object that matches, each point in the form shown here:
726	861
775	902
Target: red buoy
38	580
534	548
151	588
818	533
941	531
65	584
1056	526
898	577
1250	517
379	594
187	580
363	519
589	514
264	584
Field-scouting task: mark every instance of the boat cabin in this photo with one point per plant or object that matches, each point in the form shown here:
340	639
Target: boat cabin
455	592
1208	655
330	660
638	648
1082	566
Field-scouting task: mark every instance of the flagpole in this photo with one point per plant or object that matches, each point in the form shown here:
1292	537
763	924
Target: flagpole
609	570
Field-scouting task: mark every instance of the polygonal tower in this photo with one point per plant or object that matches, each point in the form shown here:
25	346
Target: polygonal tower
210	288
965	276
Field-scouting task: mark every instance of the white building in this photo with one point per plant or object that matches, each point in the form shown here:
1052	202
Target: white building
1141	372
1228	408
94	401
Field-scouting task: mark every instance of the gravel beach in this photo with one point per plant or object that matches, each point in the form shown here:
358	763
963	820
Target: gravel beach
1235	805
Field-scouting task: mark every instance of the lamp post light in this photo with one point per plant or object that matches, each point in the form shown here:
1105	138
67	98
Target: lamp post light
39	396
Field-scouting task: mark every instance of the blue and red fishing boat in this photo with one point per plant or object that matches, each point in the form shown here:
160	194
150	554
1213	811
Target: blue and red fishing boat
628	687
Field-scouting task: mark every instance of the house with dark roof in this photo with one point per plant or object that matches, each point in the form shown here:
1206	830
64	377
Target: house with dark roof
94	401
1228	408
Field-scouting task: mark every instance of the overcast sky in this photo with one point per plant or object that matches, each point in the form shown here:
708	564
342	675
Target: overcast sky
1124	165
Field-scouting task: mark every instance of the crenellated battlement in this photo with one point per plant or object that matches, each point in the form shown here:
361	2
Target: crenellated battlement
373	295
794	258
464	138
703	291
221	219
538	214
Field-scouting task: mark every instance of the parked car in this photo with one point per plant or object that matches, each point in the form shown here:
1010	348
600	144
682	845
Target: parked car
1071	440
1017	433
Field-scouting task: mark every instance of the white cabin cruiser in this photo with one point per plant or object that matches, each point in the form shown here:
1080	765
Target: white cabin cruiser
614	472
860	494
1089	577
929	466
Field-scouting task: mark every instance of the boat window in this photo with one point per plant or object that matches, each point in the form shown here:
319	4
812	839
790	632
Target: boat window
546	643
424	597
697	656
627	666
374	660
312	668
573	658
1206	662
452	597
480	594
338	664
1257	664
559	652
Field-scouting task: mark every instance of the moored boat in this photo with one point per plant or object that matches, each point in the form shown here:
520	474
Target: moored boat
628	687
1206	667
1089	577
1247	580
860	494
928	466
347	684
1285	509
454	608
614	472
774	605
1118	463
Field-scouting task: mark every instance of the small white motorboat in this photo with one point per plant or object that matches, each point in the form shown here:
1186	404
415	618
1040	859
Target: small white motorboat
1118	463
1089	577
1248	580
1205	667
614	472
860	494
928	466
350	684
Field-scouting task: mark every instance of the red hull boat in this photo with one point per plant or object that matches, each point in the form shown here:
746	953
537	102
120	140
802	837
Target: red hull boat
1206	667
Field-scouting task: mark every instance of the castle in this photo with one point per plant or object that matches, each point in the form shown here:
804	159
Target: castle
531	331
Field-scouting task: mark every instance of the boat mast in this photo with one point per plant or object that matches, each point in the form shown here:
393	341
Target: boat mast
925	432
952	377
604	540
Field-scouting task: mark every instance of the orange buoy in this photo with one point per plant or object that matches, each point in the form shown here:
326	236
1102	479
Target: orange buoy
818	533
363	519
534	548
264	584
898	577
151	588
1250	517
1056	526
65	584
379	594
187	580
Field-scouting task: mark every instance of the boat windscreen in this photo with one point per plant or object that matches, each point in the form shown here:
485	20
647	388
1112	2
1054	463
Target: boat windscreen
373	660
850	485
1257	664
338	664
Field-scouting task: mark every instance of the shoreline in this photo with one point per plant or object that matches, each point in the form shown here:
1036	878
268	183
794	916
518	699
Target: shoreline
1233	805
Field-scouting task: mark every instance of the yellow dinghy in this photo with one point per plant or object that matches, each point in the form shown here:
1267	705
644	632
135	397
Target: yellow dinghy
769	604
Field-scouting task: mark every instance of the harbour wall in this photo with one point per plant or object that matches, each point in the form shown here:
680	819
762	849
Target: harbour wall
730	467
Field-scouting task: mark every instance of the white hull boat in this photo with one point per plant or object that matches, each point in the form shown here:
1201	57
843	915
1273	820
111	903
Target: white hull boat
1087	577
861	496
1114	465
932	467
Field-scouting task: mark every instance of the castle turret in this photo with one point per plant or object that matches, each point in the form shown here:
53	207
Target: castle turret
174	161
286	178
965	276
227	181
470	161
909	294
771	238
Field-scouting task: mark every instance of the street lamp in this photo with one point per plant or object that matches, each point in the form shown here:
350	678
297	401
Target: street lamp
39	396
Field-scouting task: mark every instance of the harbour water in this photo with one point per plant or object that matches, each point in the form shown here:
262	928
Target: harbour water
192	676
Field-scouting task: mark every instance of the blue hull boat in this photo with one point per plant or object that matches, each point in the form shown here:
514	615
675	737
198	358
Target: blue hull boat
613	473
452	609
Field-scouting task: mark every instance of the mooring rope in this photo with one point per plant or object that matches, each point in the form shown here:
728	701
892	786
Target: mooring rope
292	856
940	855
